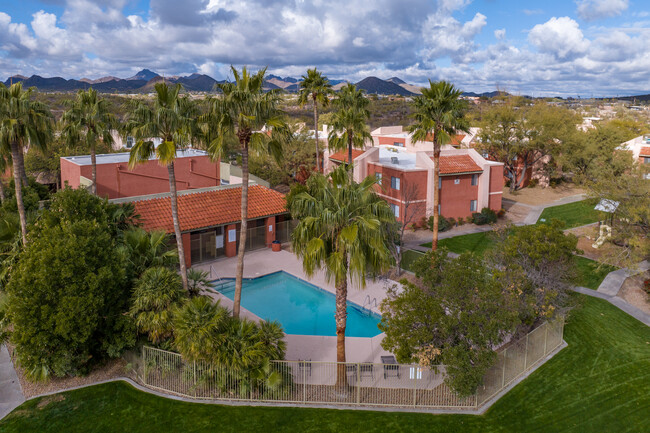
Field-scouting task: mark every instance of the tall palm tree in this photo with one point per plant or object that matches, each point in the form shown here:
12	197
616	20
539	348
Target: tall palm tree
349	127
172	119
439	114
5	163
343	229
315	86
253	117
25	122
88	121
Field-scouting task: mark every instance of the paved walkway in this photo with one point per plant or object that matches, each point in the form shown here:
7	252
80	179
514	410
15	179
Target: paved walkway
11	395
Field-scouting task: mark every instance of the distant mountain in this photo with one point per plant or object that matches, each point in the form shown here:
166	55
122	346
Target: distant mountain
197	82
396	80
381	87
486	94
637	98
145	75
99	80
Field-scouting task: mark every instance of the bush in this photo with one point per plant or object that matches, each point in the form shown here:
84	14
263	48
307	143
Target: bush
443	224
452	221
533	183
461	221
469	220
486	216
501	213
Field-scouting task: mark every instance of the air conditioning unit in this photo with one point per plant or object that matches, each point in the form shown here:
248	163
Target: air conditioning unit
394	160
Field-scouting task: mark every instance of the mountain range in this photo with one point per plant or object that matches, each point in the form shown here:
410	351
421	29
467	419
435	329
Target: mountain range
143	82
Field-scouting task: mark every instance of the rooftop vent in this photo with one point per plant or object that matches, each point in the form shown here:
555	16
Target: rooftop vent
394	160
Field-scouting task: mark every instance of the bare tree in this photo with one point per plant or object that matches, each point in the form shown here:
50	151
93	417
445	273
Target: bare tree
412	206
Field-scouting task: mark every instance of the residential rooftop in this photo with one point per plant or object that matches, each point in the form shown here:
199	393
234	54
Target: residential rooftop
123	157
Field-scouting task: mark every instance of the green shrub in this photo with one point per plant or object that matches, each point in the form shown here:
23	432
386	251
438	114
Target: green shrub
533	183
443	224
486	216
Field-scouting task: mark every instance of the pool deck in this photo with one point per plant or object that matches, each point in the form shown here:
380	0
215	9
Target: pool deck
306	347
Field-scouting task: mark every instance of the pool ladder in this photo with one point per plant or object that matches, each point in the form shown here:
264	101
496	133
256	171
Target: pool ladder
219	283
368	303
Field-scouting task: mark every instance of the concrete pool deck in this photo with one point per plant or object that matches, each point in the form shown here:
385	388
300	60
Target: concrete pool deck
306	347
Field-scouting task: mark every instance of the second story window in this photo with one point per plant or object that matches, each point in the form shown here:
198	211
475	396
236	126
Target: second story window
474	179
398	143
130	141
395	209
378	176
394	183
457	181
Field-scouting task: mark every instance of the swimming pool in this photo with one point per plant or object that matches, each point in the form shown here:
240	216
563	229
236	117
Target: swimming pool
301	307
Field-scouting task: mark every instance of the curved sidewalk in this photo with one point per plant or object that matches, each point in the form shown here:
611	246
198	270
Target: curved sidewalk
11	394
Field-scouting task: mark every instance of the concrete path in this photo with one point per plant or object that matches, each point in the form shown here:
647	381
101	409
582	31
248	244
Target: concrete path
614	280
11	395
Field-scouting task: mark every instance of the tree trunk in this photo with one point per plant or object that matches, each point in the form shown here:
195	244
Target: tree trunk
18	175
239	276
93	162
177	226
341	319
350	148
521	178
21	164
318	167
436	194
2	190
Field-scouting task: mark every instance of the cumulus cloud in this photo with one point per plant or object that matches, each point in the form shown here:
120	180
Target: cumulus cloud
500	34
591	10
561	37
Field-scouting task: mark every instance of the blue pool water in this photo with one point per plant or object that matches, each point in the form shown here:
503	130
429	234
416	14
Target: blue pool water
300	307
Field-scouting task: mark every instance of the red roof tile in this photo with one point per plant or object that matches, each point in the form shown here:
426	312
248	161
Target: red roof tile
343	155
457	139
645	151
454	164
210	208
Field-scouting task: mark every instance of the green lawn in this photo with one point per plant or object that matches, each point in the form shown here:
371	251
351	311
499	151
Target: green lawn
408	257
475	242
588	274
575	214
600	383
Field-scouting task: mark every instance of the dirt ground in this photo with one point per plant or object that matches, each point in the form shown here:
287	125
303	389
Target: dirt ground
110	370
538	195
632	292
606	253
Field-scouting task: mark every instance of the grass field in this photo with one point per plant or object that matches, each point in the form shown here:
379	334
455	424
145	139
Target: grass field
590	273
573	214
599	383
408	257
475	242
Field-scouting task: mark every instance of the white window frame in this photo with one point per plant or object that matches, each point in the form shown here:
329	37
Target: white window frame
473	205
379	178
457	181
395	183
395	208
439	182
474	179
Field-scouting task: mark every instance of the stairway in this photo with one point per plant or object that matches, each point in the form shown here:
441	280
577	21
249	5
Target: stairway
224	285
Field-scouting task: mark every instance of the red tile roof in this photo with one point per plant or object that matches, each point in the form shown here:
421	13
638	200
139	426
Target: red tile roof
343	155
457	139
454	164
645	151
210	208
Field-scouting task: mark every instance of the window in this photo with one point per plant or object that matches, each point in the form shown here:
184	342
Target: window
457	181
398	143
394	183
474	179
129	142
395	209
439	182
646	159
378	176
472	206
439	210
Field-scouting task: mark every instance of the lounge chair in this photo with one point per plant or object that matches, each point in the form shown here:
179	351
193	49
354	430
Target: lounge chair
391	367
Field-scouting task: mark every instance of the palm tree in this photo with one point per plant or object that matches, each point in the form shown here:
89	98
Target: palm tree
172	120
251	116
343	229
24	122
155	296
145	249
5	163
349	127
439	114
88	121
200	327
315	86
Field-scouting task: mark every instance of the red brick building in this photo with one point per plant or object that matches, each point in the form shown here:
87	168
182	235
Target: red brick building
193	169
468	182
210	219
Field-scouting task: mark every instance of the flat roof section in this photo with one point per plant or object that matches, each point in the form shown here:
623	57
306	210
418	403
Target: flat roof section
123	157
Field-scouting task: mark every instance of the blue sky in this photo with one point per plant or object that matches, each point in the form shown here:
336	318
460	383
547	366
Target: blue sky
569	48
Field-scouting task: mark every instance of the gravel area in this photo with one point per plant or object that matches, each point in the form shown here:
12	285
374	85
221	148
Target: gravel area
110	370
631	291
606	253
539	196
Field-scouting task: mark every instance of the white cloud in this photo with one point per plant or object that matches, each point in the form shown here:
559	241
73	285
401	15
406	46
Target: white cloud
559	36
500	34
591	10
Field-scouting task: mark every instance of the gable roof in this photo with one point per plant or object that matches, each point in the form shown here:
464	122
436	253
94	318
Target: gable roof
209	208
456	164
342	156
